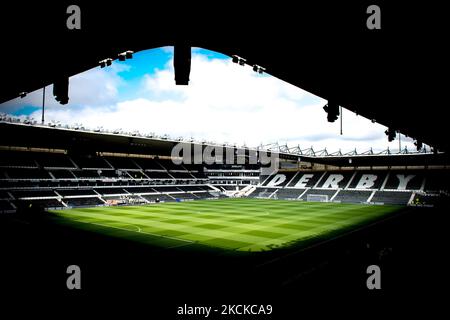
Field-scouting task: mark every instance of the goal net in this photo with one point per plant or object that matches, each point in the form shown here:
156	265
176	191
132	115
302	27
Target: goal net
317	197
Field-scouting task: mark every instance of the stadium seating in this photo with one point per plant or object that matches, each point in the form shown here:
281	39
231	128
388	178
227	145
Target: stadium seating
96	163
391	197
352	196
122	163
87	174
5	206
185	196
16	173
288	194
76	192
38	203
140	190
148	164
81	202
431	200
230	188
192	188
160	197
181	175
33	194
159	175
47	179
62	174
4	195
262	192
104	191
167	189
55	161
13	159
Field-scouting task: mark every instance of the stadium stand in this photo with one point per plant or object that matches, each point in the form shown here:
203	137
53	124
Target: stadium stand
352	196
159	175
60	161
334	180
86	174
16	159
160	197
437	181
431	199
305	180
193	188
181	175
204	195
4	195
62	174
83	202
167	189
368	179
39	203
184	196
137	174
391	197
288	194
140	190
324	192
148	164
96	163
233	188
57	179
6	206
262	192
76	192
16	173
33	194
105	191
122	163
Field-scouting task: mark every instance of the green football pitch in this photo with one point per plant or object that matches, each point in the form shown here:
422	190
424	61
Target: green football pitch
237	224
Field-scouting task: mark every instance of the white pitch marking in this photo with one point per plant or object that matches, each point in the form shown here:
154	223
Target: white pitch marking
152	234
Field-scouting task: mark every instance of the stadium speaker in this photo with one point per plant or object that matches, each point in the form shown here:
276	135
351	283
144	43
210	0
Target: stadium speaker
419	145
125	55
391	134
182	63
129	54
332	110
61	90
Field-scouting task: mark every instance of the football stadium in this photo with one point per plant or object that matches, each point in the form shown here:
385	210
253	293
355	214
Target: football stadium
170	221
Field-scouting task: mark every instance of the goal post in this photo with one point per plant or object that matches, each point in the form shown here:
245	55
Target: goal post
317	197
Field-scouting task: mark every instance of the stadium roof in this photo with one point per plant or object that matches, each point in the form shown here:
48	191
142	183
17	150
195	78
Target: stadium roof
88	142
393	75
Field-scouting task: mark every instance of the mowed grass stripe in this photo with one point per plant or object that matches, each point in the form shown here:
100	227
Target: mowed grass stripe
242	224
165	229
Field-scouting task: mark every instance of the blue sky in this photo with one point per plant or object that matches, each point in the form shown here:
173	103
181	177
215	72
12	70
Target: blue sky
224	102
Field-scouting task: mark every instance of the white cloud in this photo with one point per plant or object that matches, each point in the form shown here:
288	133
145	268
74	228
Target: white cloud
95	87
224	102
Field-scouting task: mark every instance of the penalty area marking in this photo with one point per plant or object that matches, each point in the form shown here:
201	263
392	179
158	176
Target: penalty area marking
149	233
